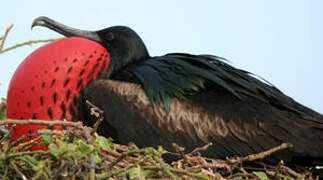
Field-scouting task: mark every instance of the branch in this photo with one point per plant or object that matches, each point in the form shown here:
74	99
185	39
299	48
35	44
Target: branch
3	130
164	167
261	155
31	42
77	125
124	155
264	154
87	135
98	113
4	37
178	171
203	148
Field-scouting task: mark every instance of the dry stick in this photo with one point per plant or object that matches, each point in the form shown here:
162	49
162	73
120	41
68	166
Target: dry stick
18	171
14	143
180	150
28	43
264	154
143	159
203	148
178	171
19	140
27	153
164	167
86	133
98	113
57	171
25	145
3	130
5	172
291	172
4	37
124	155
8	134
77	125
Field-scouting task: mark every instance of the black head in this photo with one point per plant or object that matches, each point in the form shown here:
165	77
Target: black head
123	43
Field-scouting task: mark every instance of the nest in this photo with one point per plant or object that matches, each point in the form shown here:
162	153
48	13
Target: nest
79	153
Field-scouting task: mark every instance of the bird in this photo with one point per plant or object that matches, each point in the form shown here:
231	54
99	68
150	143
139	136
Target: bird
181	98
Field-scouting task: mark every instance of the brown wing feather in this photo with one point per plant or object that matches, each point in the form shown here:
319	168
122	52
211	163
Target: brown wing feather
235	127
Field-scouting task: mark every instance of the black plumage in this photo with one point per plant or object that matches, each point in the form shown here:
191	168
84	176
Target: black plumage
194	99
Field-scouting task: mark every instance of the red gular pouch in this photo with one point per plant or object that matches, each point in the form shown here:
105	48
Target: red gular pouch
47	85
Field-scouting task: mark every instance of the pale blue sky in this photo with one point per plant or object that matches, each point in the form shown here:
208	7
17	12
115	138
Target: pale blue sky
279	40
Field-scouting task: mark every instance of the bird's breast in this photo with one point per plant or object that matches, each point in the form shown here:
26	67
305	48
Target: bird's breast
48	83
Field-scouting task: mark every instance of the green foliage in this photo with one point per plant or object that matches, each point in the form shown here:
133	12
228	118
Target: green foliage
139	173
103	143
3	108
74	156
261	175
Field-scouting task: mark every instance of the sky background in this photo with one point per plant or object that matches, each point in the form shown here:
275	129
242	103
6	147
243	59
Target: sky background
281	41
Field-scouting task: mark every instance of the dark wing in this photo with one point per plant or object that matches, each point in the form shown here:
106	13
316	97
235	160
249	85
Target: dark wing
235	127
209	101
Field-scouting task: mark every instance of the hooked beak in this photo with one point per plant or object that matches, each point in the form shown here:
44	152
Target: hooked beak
65	30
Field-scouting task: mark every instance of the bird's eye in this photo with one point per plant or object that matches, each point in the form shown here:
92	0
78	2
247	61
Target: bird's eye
109	36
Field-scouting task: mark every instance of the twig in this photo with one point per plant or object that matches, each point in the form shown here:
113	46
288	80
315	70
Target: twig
264	154
58	171
31	42
4	37
179	171
7	135
25	145
143	159
19	140
98	113
291	172
77	125
88	137
3	130
23	153
261	155
125	154
179	149
203	148
164	167
18	171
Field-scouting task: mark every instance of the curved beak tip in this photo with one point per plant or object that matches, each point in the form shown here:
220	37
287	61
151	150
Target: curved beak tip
40	21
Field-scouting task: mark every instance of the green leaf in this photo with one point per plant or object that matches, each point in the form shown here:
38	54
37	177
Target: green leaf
3	109
261	175
97	159
161	150
104	143
30	160
47	139
64	150
136	173
147	173
85	149
41	170
54	150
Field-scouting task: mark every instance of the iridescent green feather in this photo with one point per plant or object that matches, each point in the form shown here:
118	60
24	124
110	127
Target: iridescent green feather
183	75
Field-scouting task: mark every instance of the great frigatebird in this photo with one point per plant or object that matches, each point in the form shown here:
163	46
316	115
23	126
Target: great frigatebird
191	100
